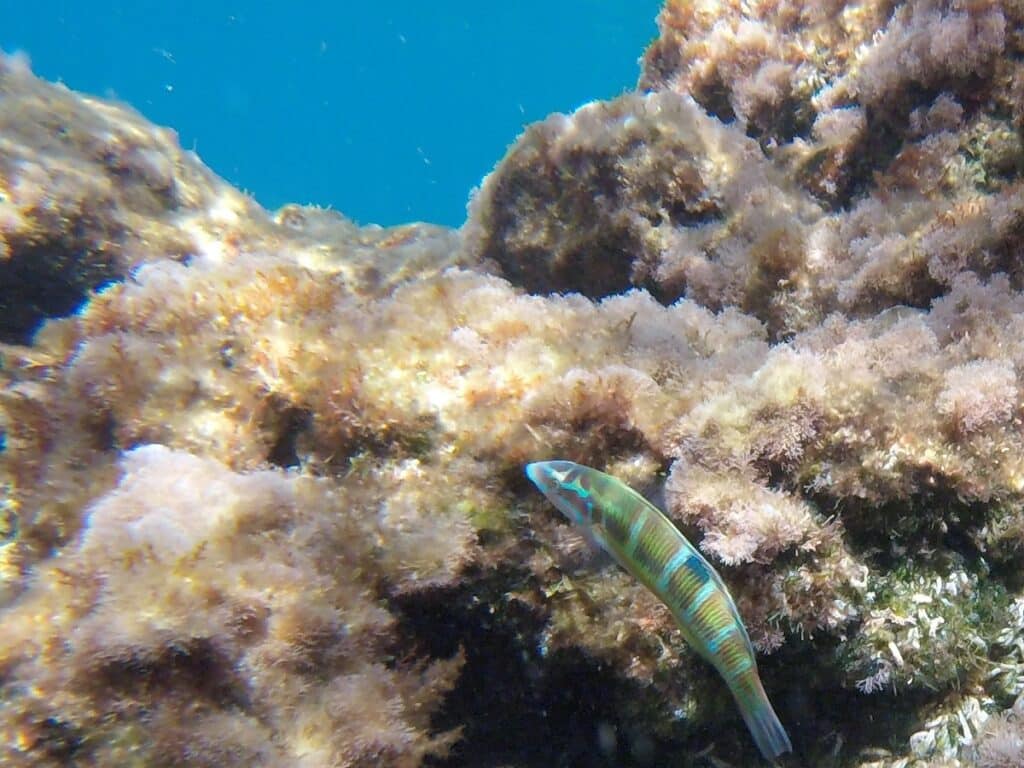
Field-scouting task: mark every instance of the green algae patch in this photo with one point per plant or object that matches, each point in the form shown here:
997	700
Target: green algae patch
925	629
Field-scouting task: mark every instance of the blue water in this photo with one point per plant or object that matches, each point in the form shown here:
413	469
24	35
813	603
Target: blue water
386	111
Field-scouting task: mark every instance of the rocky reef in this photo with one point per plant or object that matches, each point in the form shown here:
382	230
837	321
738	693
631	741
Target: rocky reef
261	490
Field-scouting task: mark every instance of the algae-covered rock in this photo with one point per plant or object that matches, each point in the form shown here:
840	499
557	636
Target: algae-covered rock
262	495
89	191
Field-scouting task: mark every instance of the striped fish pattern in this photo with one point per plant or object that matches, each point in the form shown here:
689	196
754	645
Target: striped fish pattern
646	543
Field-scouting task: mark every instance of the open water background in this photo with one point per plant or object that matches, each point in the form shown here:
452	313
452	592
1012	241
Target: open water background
389	112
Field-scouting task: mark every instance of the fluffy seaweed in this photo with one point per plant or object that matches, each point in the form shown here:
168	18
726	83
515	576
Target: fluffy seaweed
272	467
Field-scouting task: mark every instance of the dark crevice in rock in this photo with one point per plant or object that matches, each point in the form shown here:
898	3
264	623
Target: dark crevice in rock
44	281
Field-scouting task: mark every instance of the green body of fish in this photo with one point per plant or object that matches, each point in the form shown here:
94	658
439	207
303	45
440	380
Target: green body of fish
646	543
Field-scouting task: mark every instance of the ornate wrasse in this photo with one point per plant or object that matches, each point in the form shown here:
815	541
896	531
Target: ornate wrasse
646	543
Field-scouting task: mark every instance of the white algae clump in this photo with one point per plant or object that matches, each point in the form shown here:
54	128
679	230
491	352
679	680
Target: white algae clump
261	490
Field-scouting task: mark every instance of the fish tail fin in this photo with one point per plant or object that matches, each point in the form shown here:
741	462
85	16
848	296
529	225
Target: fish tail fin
769	735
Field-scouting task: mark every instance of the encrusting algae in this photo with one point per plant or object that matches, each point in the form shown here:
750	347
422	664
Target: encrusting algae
261	492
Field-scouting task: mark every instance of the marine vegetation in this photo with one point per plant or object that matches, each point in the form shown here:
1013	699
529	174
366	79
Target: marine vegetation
261	488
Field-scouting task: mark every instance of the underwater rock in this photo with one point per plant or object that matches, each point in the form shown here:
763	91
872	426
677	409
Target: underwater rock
837	90
207	617
781	163
89	191
273	465
637	192
372	260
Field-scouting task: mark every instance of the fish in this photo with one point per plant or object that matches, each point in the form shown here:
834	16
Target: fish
650	548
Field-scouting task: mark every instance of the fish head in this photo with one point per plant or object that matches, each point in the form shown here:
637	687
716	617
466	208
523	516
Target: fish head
566	486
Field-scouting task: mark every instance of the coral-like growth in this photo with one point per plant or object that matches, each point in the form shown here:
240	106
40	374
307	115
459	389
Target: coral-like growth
1001	743
684	199
239	609
782	68
916	182
924	630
